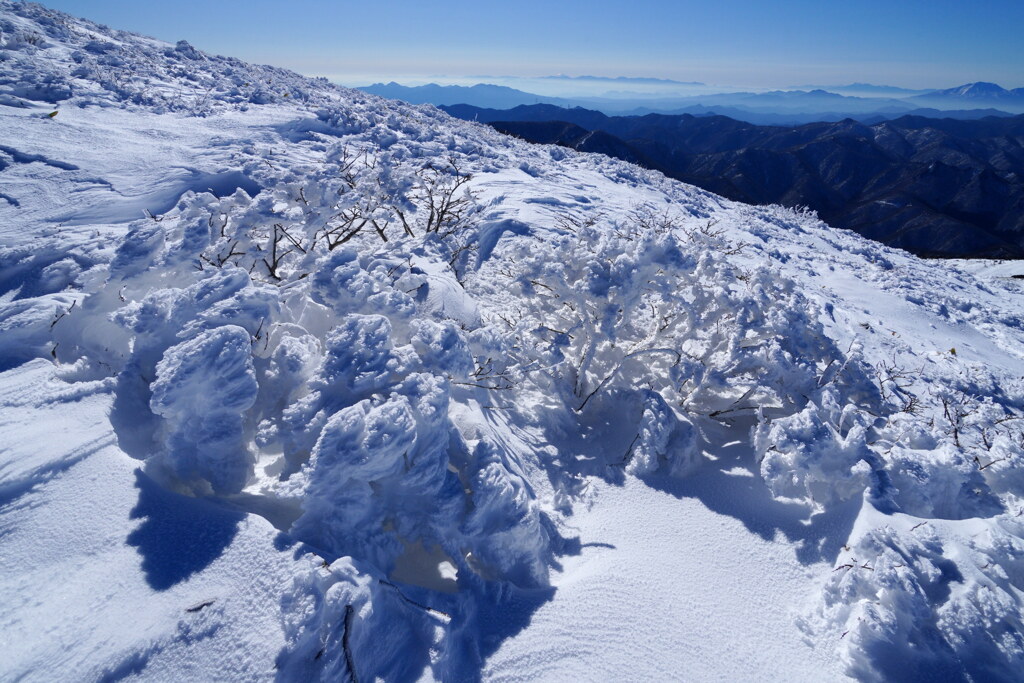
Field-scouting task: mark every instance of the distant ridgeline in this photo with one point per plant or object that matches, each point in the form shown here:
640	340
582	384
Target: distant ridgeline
935	187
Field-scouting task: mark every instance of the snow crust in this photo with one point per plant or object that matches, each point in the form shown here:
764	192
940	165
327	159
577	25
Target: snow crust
338	387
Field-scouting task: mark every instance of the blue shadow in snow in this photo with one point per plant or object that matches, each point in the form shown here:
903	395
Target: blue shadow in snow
732	486
179	536
729	484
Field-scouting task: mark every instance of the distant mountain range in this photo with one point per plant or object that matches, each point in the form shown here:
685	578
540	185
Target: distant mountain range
480	95
936	187
623	79
769	118
984	94
780	107
863	89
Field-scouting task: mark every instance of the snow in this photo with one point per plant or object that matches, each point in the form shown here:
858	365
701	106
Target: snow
712	599
102	565
299	383
203	387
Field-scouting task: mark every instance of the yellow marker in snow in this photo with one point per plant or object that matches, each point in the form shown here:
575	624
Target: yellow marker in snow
51	114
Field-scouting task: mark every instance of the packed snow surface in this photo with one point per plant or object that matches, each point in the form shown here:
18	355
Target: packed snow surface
302	384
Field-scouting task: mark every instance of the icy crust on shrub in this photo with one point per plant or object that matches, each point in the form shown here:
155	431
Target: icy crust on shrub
819	454
649	314
928	584
343	622
927	600
260	349
375	469
663	438
202	389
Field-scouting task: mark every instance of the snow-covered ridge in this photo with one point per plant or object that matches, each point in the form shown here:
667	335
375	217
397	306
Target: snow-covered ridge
424	353
91	64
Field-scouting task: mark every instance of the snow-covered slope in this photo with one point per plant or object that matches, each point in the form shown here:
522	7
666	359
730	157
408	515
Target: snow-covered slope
302	383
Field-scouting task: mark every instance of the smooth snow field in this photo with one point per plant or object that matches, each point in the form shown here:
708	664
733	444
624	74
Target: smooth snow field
297	383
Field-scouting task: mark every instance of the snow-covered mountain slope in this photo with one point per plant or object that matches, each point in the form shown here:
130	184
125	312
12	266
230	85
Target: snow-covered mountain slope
300	383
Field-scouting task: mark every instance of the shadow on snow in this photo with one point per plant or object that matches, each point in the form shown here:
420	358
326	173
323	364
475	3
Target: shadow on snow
178	536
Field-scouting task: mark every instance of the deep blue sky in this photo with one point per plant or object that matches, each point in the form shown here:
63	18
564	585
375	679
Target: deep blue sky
910	43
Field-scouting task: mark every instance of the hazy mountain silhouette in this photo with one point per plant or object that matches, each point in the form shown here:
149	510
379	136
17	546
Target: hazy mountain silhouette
779	107
975	94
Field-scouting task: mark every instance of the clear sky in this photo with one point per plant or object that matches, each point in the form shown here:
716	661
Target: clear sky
755	43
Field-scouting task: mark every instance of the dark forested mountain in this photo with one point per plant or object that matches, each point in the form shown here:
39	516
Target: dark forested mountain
936	187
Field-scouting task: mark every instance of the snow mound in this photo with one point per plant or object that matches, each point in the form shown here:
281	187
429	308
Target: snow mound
203	386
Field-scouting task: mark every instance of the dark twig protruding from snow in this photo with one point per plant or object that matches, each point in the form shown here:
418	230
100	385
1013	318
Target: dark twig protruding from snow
349	611
59	317
426	608
200	605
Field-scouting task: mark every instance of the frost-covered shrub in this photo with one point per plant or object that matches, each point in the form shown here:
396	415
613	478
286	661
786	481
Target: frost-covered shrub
504	531
379	474
941	482
342	622
663	439
950	455
645	327
1004	465
139	250
820	453
290	365
338	369
374	462
157	319
926	603
129	337
334	359
202	389
359	360
343	284
23	40
441	348
357	201
59	274
25	327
